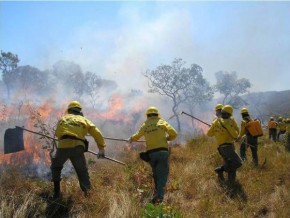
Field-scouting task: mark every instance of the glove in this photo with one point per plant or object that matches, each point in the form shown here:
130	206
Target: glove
101	153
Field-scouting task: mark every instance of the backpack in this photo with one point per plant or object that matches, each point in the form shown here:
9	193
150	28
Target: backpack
254	127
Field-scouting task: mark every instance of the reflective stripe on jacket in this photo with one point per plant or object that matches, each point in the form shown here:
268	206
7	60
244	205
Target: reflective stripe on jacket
226	134
156	132
77	126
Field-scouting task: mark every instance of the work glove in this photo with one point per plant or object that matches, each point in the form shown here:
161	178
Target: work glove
101	153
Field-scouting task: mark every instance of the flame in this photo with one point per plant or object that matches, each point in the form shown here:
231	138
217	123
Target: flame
114	111
33	154
120	109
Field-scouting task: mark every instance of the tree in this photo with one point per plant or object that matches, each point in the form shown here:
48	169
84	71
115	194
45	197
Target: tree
93	84
27	79
231	87
78	83
8	62
200	92
178	83
69	76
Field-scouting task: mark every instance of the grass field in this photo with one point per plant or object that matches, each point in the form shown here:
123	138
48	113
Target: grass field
192	190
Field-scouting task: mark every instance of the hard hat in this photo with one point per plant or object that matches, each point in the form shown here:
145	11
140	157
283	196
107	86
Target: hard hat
218	107
244	110
152	110
271	118
228	109
280	118
73	104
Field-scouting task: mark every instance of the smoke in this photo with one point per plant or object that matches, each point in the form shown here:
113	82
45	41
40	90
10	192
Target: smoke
250	38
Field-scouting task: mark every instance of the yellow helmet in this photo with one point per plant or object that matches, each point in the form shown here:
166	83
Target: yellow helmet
244	110
218	107
280	118
152	110
228	109
73	104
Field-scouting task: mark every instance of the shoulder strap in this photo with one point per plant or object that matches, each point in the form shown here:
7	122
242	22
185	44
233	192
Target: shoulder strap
224	126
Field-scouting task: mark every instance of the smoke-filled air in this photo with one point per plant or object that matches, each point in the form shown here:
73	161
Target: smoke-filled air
185	105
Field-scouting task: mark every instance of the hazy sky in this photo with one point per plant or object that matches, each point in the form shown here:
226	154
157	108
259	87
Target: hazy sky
119	40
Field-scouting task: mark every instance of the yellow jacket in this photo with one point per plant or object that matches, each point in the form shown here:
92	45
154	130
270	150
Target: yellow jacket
282	126
221	134
156	132
243	126
77	126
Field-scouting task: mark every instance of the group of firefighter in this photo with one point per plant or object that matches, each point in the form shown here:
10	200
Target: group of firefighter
278	128
73	127
226	131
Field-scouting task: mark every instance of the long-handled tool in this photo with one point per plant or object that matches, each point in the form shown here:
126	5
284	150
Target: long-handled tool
109	158
13	141
121	140
182	112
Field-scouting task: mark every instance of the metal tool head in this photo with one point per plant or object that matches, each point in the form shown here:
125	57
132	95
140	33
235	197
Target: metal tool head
13	140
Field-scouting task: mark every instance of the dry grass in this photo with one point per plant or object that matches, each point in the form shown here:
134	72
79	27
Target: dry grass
192	190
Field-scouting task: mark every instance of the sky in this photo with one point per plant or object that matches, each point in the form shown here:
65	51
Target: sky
120	40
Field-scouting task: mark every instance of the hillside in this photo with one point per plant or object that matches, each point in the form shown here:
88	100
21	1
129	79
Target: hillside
267	104
192	190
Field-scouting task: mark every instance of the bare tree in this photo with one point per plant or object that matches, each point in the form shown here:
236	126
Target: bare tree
8	62
231	87
177	82
93	84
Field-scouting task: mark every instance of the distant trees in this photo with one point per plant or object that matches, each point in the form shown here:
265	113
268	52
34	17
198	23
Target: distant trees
231	87
180	84
64	76
72	78
29	79
8	62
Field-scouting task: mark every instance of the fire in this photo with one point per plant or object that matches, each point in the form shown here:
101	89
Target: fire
33	154
43	118
114	111
120	110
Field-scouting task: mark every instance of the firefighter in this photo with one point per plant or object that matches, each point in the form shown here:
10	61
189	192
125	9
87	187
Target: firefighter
224	130
156	132
272	126
247	139
281	127
218	110
71	131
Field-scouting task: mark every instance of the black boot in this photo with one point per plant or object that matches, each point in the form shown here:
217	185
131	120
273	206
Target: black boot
220	172
56	193
232	177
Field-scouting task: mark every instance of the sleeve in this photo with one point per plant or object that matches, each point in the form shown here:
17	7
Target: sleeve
97	135
58	132
139	133
243	129
172	134
210	131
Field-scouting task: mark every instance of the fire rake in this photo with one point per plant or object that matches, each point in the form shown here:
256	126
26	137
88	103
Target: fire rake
182	112
13	141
